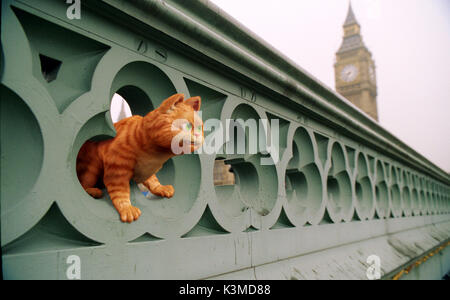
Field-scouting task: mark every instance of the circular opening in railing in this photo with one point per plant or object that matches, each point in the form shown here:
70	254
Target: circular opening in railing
297	188
443	206
303	181
382	197
407	205
139	82
396	201
183	173
89	169
428	203
439	203
304	191
393	174
129	100
422	203
363	189
380	175
125	102
447	199
415	202
423	184
439	208
339	193
237	195
256	183
174	188
177	190
405	178
95	135
381	191
22	149
433	202
244	131
363	194
339	188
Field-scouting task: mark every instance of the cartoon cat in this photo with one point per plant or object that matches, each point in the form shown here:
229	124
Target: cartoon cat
140	148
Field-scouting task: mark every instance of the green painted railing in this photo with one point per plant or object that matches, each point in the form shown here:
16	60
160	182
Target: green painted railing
344	188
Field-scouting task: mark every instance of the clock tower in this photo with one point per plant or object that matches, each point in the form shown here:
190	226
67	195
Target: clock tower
355	69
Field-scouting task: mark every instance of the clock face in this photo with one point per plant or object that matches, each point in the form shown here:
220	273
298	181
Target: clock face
372	73
349	73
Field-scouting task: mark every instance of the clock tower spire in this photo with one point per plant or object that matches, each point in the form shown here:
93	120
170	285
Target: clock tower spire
355	69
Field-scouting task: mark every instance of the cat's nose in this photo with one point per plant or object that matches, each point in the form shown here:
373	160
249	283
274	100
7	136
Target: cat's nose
197	134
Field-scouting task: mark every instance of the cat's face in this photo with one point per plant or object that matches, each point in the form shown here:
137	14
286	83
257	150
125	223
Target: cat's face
176	124
188	129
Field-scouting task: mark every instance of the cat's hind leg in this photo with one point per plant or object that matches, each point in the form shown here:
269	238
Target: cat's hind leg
156	188
89	172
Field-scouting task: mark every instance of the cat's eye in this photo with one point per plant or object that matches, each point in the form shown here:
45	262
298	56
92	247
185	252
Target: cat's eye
199	128
187	126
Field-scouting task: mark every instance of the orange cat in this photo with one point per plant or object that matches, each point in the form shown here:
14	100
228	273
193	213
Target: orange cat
140	148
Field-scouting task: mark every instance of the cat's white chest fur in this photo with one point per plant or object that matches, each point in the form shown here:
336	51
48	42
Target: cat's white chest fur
146	166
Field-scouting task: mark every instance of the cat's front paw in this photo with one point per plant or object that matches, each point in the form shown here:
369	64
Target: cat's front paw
166	191
128	213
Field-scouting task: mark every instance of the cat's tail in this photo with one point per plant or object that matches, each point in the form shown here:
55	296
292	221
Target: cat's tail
95	192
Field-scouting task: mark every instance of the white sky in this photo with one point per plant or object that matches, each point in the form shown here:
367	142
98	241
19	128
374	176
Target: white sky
409	40
116	106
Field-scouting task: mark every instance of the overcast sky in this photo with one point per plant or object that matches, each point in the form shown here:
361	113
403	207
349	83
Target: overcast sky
409	40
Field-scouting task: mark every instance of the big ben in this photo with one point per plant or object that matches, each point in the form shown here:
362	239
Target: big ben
355	69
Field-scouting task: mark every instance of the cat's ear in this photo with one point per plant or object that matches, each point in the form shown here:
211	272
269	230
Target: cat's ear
168	105
194	102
